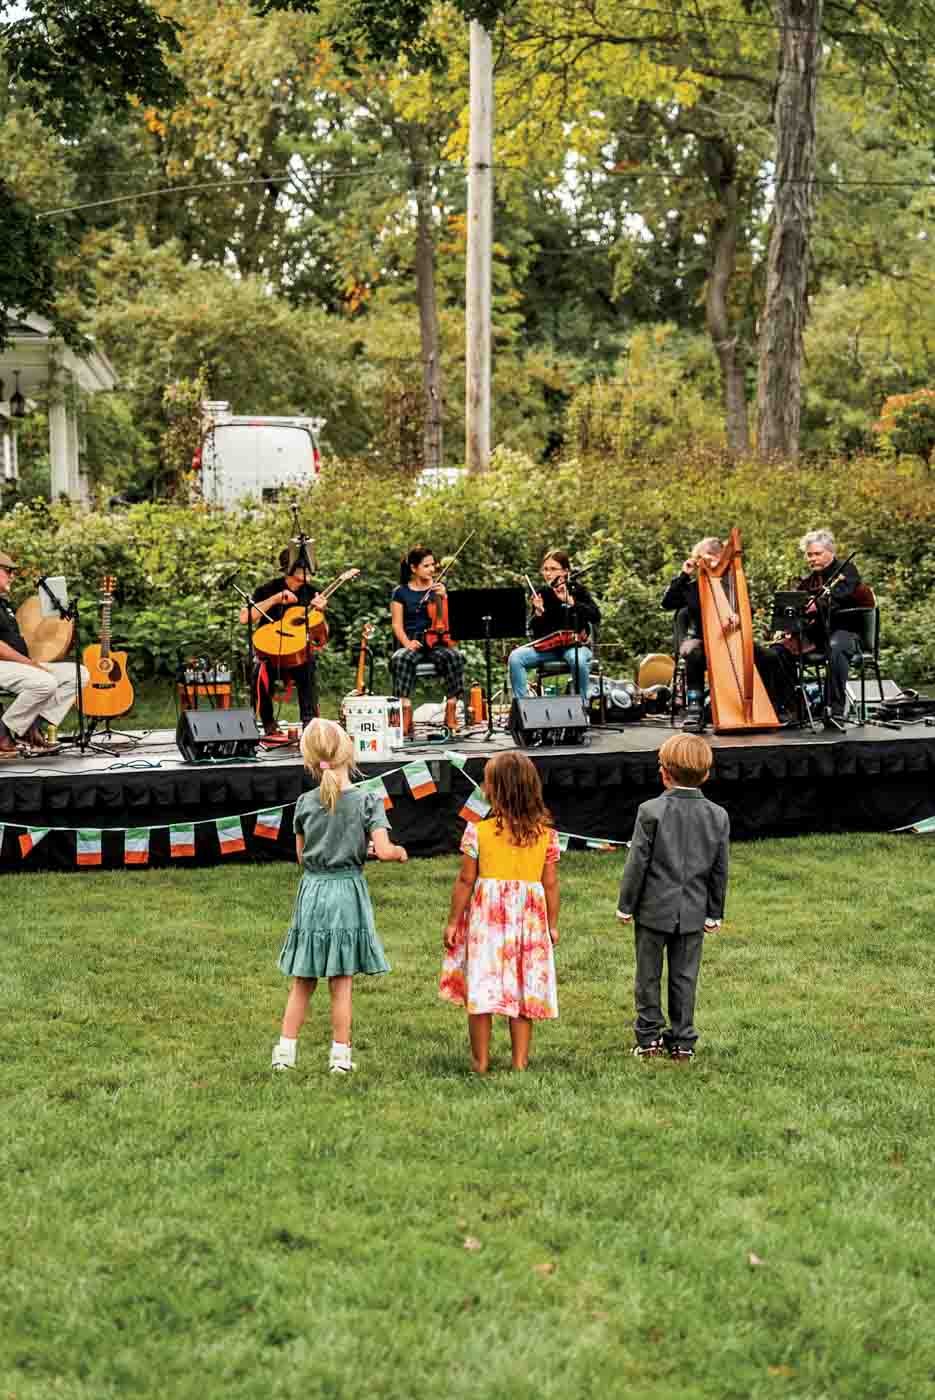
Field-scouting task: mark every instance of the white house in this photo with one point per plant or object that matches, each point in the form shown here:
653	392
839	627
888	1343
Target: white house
37	359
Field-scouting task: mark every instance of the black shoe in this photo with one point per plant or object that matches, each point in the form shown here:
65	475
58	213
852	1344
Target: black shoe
693	720
683	1053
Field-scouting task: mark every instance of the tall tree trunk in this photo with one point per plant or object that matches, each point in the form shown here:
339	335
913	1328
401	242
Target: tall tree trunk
779	384
428	320
721	166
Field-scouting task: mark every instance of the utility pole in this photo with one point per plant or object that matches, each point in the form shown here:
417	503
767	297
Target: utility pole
479	253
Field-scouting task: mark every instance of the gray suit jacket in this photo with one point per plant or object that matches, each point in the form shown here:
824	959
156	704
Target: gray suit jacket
676	871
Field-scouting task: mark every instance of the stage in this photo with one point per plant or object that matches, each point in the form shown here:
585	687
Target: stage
781	783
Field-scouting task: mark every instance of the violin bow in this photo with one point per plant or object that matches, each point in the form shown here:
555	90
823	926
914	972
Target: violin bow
448	565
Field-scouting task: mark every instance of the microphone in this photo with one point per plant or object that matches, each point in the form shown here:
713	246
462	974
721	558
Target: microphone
228	579
577	573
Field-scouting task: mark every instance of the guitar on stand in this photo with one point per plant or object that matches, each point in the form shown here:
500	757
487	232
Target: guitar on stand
108	692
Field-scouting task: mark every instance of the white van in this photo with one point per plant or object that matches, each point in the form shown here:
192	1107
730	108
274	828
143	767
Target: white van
245	458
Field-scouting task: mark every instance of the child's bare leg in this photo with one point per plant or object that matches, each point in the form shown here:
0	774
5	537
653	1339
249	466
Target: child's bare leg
479	1032
297	1005
340	989
520	1039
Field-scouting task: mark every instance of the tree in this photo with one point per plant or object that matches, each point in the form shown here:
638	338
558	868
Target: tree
65	59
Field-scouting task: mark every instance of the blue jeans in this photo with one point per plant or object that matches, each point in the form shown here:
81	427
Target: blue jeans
525	659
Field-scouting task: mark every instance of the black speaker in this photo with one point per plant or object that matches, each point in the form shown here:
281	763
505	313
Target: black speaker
205	734
548	719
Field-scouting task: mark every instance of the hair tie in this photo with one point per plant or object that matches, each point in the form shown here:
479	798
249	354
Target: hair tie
323	763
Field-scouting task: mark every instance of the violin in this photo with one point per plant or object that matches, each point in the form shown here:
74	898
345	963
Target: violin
437	633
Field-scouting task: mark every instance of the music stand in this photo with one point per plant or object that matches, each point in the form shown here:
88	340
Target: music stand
480	614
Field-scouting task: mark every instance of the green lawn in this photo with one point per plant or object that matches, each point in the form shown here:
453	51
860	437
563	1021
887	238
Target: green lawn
175	1221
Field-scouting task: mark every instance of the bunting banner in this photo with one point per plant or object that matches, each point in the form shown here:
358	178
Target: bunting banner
419	778
88	849
31	838
378	786
136	846
475	808
269	824
182	839
230	835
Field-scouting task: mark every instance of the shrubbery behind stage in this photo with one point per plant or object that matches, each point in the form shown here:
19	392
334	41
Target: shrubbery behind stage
633	521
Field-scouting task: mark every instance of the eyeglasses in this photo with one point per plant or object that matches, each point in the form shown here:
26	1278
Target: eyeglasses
7	570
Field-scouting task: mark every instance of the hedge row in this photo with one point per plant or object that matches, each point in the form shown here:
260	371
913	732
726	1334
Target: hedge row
632	523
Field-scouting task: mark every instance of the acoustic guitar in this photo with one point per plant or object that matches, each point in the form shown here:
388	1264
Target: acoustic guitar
287	642
108	691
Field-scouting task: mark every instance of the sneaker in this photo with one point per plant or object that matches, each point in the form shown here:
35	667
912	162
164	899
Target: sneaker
340	1062
693	720
682	1053
282	1059
648	1052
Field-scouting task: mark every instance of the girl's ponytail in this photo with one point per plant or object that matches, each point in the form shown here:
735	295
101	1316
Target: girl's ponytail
328	752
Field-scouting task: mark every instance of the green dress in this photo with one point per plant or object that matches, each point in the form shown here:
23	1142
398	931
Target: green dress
332	932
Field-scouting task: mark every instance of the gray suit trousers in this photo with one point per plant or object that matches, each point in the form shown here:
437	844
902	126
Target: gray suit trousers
683	954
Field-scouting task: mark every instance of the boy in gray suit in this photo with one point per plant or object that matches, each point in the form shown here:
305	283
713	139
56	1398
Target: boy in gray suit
674	885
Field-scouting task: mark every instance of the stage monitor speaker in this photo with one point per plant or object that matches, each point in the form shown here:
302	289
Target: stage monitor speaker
210	734
548	719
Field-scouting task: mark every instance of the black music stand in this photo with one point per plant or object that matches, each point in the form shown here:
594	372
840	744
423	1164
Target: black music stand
479	615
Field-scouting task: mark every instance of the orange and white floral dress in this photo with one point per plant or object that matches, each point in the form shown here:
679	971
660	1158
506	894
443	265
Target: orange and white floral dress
503	962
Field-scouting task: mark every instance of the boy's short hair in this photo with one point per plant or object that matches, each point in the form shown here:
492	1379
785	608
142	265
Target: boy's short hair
688	759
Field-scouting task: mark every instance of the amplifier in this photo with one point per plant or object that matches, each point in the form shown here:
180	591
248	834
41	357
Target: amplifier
548	719
212	734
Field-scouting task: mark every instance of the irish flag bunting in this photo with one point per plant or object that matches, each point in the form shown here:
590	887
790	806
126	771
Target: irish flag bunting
230	835
475	808
136	846
89	848
419	778
563	839
601	845
378	786
457	760
182	839
268	824
31	838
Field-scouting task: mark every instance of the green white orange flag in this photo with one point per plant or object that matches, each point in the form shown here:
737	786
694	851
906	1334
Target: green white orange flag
89	848
136	845
268	824
563	839
475	808
419	778
378	786
182	839
31	838
457	760
601	845
230	835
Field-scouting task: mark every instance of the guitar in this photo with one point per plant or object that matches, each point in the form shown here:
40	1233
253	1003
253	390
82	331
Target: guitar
108	691
287	642
365	636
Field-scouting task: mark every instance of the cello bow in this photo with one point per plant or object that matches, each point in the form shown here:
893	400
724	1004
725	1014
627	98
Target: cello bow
738	696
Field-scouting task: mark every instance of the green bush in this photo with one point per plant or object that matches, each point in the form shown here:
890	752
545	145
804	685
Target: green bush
633	523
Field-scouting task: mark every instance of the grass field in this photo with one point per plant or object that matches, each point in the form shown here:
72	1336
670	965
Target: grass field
175	1221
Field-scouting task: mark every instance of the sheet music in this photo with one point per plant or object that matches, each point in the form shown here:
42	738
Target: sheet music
59	587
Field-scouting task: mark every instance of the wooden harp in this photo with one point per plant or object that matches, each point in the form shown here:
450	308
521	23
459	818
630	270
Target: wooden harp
738	696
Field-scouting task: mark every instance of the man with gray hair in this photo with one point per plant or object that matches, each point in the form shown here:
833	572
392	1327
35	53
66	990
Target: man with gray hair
824	629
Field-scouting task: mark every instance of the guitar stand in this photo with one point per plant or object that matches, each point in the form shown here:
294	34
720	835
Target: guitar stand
126	741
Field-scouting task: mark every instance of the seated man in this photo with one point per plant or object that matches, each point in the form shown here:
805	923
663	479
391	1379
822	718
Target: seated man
823	631
292	588
41	691
682	598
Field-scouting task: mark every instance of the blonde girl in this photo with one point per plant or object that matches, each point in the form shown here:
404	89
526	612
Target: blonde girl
503	921
332	932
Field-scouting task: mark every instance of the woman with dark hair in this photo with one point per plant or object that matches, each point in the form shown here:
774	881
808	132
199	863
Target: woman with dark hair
559	610
412	619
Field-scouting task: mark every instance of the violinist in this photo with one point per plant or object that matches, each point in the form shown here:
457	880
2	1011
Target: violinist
682	598
822	627
560	610
275	596
417	608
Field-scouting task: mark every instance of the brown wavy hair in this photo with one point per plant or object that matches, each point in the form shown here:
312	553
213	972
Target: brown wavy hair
514	791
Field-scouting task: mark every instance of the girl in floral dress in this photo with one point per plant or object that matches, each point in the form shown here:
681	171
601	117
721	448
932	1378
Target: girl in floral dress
503	920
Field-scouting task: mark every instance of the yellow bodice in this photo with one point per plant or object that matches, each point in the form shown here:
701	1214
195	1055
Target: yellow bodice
499	859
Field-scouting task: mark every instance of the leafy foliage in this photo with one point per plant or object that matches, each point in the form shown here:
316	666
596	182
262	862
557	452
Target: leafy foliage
907	423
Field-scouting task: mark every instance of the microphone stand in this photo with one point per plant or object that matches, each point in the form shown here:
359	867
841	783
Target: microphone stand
82	739
823	611
249	603
303	560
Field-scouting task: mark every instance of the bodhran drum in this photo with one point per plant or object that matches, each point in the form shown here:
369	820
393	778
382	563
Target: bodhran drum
374	722
47	638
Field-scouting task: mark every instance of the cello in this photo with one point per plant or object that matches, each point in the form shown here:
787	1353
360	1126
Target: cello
739	700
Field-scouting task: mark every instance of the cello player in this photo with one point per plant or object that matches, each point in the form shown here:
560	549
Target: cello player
412	616
292	587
